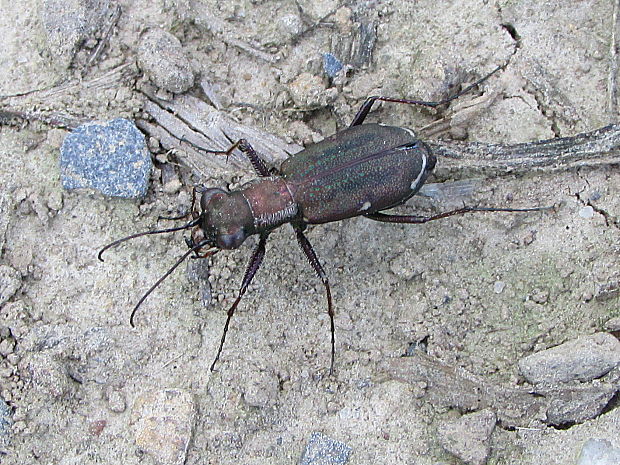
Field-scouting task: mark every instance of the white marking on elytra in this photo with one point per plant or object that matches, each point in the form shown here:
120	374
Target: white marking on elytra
415	182
410	131
365	207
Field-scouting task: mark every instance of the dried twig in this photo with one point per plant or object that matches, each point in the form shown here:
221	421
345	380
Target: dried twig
116	14
459	160
108	80
612	84
189	125
451	387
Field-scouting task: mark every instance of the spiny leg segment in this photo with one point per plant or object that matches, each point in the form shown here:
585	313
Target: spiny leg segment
305	245
253	266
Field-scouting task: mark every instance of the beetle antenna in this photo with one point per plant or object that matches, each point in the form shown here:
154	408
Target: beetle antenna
167	273
191	224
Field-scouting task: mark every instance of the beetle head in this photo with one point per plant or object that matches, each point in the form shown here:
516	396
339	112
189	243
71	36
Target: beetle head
225	219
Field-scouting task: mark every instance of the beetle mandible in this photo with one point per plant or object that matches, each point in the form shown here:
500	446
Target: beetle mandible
359	171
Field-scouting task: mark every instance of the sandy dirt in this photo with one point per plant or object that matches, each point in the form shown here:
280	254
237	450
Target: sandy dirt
482	290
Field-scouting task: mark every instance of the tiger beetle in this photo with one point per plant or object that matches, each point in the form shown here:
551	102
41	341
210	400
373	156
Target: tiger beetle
359	171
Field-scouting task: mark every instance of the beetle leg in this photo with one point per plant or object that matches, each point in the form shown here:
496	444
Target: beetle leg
414	219
257	162
367	105
305	245
253	266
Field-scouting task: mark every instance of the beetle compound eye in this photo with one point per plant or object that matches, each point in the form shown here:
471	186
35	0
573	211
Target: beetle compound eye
231	241
208	194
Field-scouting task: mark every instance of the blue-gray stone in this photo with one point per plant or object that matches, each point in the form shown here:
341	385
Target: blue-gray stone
6	421
331	64
599	452
323	450
111	157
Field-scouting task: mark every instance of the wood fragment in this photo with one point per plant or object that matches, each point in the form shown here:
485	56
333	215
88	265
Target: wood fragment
460	160
451	387
190	126
107	33
612	82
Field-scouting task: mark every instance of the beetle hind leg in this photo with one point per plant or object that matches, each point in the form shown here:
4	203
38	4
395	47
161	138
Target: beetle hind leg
305	245
415	219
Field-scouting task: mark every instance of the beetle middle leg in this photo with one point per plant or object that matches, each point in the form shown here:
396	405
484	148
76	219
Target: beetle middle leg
253	266
305	245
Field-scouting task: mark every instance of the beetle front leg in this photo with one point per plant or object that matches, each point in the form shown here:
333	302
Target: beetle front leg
305	245
414	219
257	162
253	266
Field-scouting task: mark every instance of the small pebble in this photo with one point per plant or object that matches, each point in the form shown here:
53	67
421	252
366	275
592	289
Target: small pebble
582	359
586	212
469	437
261	390
110	157
323	450
172	187
5	424
54	200
163	423
289	26
499	286
608	291
594	196
10	282
162	59
540	297
331	65
7	347
599	452
116	400
308	91
46	375
579	405
96	427
613	324
69	23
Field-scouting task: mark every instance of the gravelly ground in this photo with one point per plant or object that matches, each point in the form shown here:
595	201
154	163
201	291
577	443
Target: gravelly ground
77	367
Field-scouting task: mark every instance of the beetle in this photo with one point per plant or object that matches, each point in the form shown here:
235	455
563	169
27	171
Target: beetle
359	171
